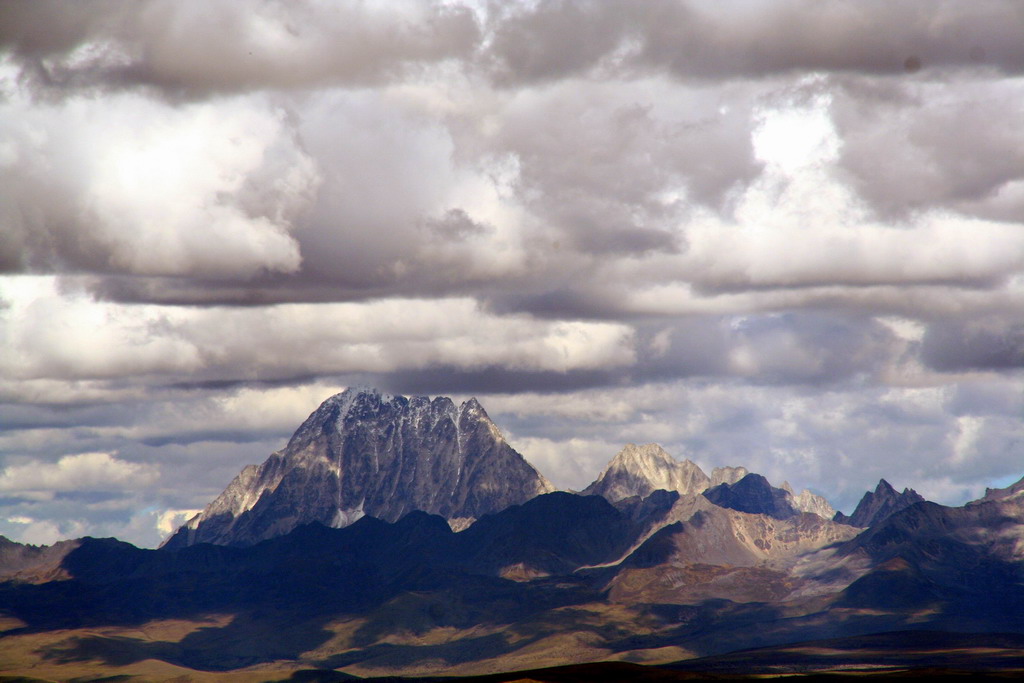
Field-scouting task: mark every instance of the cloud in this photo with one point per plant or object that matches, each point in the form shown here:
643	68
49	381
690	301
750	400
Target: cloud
130	185
922	145
984	343
194	48
169	520
41	532
839	441
81	472
779	234
698	40
230	344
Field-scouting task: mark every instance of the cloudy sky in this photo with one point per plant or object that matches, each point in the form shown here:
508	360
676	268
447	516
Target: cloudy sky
785	234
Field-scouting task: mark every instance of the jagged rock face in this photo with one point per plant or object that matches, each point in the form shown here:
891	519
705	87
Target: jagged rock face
641	470
753	494
875	507
638	471
805	501
364	453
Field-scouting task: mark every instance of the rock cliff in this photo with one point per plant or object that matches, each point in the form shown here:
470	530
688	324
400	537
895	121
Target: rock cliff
366	453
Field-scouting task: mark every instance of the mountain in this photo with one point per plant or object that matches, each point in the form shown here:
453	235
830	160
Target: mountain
316	572
347	551
805	501
964	564
1012	491
31	563
366	453
705	551
641	470
755	495
875	506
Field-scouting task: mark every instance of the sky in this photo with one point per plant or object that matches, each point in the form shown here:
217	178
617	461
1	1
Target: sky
782	234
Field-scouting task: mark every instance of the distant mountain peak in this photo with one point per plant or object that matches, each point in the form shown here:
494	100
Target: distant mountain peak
878	505
806	501
754	495
364	452
641	470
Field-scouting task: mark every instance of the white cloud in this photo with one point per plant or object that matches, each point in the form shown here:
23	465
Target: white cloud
53	335
39	532
570	463
80	472
129	184
169	520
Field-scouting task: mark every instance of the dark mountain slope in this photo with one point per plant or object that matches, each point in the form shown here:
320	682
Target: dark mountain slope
320	570
753	494
551	534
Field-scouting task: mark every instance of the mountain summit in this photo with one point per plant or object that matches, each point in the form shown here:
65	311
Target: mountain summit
641	470
875	507
367	453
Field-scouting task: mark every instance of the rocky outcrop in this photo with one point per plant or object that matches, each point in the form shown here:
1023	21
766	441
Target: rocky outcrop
33	563
367	453
638	471
805	501
878	505
642	470
753	494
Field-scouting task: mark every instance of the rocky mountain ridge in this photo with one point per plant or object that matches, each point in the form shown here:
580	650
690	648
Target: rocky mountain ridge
641	470
879	504
367	453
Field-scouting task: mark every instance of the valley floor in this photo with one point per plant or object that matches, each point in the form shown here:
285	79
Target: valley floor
154	652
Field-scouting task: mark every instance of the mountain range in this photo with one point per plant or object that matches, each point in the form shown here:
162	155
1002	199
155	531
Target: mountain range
404	536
